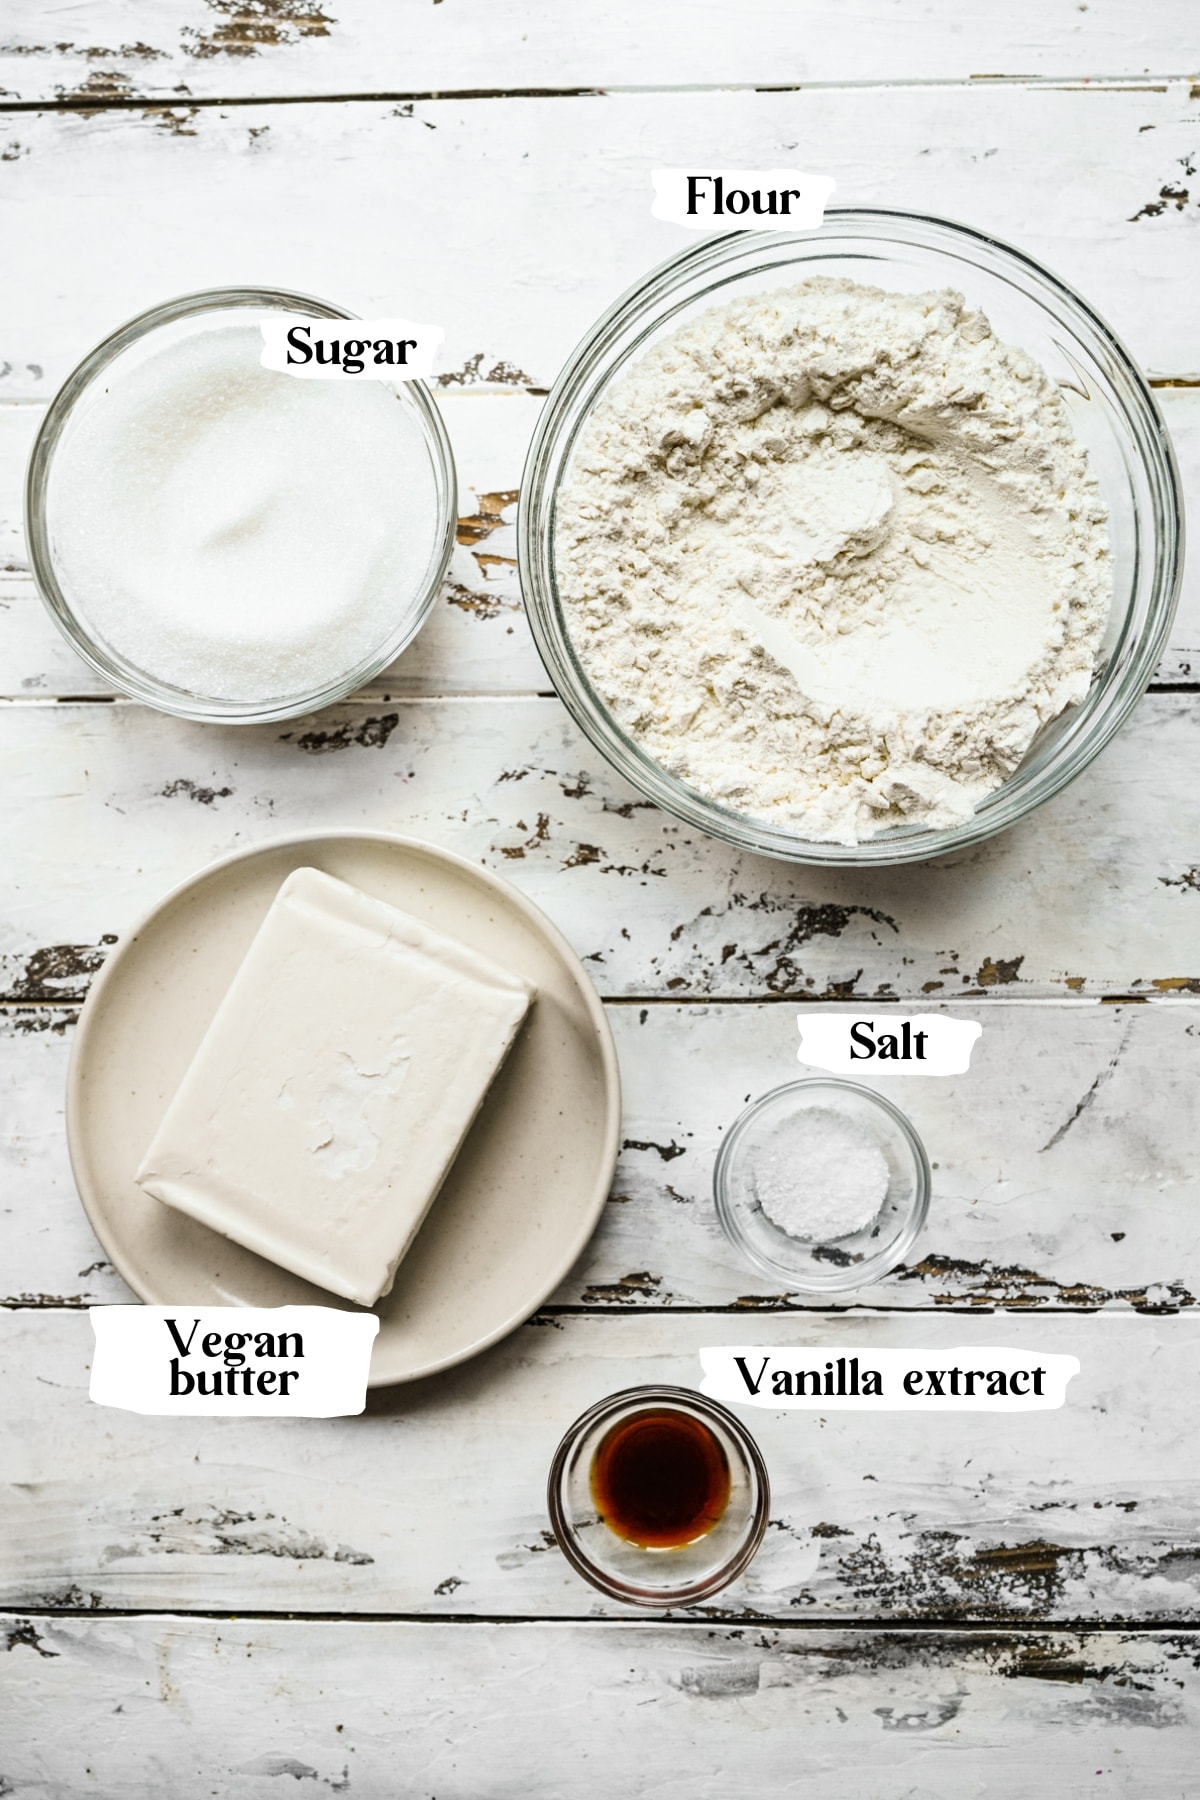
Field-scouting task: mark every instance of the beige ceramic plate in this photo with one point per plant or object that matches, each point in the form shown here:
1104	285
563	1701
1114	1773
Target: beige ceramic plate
521	1200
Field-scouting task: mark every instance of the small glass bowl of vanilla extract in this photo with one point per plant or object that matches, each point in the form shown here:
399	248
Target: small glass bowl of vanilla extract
658	1496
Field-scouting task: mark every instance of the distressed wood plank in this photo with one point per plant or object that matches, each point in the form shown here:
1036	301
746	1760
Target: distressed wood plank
433	1502
521	220
1095	893
477	639
114	48
229	1706
1065	1170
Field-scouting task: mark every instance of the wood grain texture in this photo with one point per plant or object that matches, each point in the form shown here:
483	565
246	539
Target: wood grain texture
111	49
477	639
118	1708
1064	1166
105	807
515	223
433	1502
1065	1179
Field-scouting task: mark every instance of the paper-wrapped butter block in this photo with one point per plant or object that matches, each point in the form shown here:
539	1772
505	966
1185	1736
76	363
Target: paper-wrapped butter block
334	1087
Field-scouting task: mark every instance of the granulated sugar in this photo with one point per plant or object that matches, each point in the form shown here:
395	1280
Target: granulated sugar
833	555
819	1177
238	533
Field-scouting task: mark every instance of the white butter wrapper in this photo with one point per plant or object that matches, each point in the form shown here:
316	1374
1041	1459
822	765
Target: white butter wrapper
299	1362
914	1043
335	1085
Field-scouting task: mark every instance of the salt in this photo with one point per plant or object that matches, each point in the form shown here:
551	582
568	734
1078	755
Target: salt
819	1177
237	533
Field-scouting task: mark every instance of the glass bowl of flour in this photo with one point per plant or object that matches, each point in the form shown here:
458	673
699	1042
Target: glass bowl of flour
822	1184
854	545
228	542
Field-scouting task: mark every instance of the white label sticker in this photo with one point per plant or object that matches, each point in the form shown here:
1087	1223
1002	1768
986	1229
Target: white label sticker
307	1362
741	199
349	349
978	1379
921	1044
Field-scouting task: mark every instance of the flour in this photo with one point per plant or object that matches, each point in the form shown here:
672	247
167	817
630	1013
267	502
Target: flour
819	1177
832	556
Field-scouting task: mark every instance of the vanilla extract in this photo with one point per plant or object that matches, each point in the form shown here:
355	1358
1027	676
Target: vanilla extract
660	1479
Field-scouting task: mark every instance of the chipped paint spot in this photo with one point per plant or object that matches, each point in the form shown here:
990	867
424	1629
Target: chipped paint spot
27	1636
481	604
177	120
73	1599
516	1559
1171	195
60	972
500	373
491	566
541	834
371	734
203	796
247	26
624	1292
100	86
988	1284
998	973
205	1530
668	1152
476	526
625	809
47	1302
937	1572
1167	196
919	1718
31	1021
775	963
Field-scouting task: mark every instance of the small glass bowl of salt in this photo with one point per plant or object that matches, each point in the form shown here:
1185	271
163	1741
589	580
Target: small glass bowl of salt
822	1183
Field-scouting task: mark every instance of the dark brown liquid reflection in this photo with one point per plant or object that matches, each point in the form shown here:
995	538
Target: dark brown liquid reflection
660	1479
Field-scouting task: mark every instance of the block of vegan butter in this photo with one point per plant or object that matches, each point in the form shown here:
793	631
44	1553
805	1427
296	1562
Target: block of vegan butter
335	1085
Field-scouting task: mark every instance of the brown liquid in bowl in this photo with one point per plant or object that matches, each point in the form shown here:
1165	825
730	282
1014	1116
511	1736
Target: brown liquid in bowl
660	1479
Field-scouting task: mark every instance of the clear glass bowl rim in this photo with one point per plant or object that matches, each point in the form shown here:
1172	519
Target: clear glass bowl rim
686	1400
1126	676
132	681
839	1280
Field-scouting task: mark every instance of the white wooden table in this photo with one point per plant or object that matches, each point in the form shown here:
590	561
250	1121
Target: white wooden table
975	1605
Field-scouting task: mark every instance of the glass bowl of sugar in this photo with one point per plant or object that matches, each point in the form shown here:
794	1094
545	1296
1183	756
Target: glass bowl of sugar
228	542
822	1183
